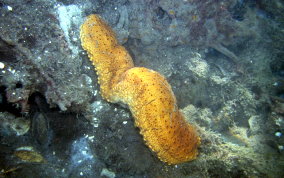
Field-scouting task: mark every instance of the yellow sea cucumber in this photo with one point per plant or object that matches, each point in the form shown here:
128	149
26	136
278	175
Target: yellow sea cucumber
146	92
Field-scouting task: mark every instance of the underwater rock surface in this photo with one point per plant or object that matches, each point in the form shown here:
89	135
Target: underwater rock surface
223	59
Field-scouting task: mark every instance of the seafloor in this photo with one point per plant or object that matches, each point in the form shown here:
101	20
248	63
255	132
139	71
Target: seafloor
223	59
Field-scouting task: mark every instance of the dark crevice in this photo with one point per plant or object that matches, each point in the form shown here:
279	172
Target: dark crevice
6	52
36	101
5	106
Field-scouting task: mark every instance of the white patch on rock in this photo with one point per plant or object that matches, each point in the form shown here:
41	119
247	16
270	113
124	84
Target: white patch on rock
198	65
70	16
107	173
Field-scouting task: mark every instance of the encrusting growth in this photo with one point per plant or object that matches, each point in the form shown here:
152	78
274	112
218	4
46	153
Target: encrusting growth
146	92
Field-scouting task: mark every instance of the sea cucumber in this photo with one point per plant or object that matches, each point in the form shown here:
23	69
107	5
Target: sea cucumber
146	92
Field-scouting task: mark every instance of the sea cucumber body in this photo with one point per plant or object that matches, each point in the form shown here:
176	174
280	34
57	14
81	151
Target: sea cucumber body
146	92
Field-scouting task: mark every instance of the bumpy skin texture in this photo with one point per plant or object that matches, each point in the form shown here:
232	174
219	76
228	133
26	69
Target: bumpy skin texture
146	92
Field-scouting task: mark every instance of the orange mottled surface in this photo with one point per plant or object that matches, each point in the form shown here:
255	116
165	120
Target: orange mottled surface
109	58
146	92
